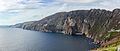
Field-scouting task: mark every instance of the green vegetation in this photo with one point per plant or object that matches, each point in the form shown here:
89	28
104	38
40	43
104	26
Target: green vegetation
112	47
110	35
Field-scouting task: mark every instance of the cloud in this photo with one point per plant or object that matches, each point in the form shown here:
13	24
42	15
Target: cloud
7	4
17	16
78	1
110	4
17	11
18	4
63	7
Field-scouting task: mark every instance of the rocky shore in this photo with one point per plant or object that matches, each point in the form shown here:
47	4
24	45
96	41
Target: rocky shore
98	24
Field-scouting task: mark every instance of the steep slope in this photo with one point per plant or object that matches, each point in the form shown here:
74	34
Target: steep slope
101	25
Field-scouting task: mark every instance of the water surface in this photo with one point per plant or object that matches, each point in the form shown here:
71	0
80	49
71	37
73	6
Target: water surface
15	39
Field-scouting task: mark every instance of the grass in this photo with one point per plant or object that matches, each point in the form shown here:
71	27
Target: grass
112	47
108	49
110	35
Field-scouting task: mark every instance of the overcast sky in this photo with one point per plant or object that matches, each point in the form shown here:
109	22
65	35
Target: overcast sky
17	11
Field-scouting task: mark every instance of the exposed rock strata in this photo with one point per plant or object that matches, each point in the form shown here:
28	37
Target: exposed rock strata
95	23
69	25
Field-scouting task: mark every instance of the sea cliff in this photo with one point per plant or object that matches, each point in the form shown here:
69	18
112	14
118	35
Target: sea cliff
101	25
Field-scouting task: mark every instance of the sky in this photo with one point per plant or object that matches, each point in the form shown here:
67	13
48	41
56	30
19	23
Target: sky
18	11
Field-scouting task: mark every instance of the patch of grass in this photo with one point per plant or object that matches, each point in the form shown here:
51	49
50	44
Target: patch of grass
108	49
111	47
110	35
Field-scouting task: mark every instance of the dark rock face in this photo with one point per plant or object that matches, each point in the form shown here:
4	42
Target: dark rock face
94	23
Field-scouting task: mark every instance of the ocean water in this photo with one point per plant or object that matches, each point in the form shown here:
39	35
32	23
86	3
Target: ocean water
16	39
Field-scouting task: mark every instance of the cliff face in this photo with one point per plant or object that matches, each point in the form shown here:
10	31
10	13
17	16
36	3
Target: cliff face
95	23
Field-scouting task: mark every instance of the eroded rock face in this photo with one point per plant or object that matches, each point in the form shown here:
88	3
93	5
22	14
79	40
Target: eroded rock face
69	25
95	23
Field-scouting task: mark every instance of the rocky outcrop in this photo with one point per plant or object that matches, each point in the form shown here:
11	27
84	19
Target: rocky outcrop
69	25
94	23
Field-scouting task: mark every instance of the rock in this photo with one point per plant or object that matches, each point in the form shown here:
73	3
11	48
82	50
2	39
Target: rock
69	25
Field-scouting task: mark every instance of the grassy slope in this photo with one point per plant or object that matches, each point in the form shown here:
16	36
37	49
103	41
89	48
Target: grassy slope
113	46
